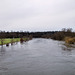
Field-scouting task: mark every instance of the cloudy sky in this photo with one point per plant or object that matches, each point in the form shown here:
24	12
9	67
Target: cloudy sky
37	15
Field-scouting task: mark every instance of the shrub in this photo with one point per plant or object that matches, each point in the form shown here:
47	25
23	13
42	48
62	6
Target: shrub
58	36
70	40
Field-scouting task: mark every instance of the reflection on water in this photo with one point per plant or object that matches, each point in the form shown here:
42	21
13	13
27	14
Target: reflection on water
37	57
2	50
68	47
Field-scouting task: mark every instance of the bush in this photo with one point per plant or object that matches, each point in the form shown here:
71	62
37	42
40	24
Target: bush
70	40
58	36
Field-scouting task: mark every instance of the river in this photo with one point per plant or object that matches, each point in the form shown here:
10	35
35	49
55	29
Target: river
37	57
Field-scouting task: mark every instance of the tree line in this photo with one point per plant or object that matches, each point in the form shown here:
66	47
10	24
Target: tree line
56	35
18	34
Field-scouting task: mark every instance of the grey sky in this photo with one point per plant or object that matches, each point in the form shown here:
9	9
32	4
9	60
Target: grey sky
37	15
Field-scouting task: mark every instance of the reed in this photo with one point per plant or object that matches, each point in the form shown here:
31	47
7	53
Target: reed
70	40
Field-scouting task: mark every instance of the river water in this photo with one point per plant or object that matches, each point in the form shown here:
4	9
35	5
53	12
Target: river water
37	57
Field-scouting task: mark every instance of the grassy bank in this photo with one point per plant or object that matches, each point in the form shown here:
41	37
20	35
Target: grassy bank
8	40
11	40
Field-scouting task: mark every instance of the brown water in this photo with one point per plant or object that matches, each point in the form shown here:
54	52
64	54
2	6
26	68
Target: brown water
37	57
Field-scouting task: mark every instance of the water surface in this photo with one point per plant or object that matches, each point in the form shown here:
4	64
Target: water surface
37	57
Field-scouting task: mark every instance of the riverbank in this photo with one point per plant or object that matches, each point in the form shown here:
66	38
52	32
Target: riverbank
11	40
65	35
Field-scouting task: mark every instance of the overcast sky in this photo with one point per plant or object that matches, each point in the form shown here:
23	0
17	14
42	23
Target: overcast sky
37	15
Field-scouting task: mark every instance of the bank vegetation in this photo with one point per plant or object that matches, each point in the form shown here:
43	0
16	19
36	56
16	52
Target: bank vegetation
66	35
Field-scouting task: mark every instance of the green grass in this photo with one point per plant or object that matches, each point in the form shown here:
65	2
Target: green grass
8	40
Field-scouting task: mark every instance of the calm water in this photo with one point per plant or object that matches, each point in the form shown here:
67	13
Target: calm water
37	57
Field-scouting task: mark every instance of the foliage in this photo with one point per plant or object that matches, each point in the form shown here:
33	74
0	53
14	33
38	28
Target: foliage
70	40
58	36
62	34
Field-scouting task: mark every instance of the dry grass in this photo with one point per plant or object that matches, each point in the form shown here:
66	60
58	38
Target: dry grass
70	40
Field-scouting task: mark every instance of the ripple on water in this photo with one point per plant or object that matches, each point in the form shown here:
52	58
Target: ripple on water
3	69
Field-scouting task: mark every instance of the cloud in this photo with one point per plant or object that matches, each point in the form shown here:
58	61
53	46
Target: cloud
40	15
